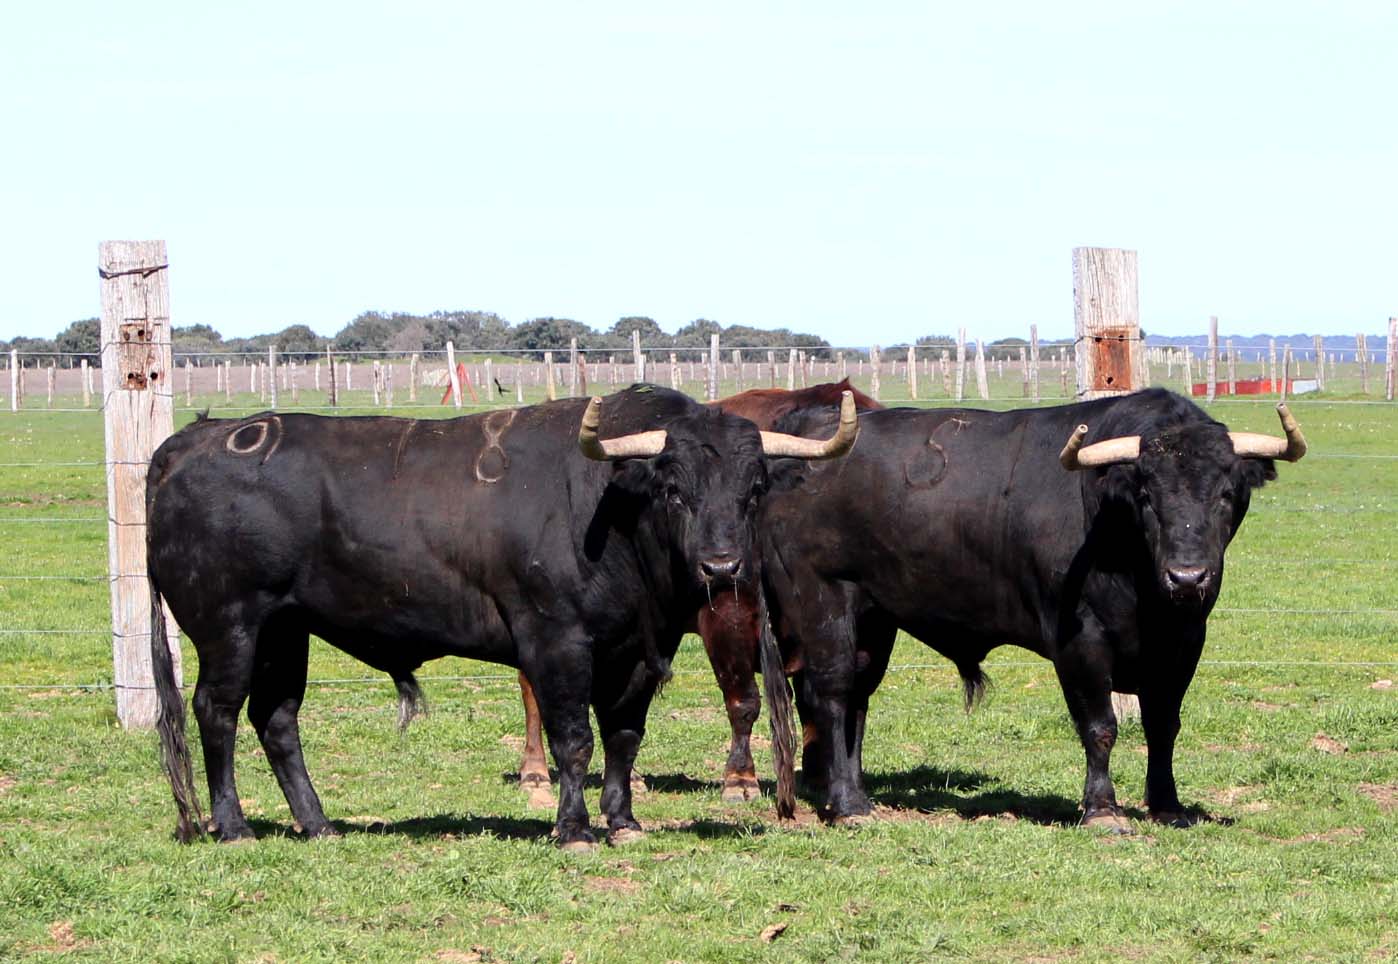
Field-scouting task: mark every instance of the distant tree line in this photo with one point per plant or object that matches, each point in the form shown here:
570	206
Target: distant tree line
374	332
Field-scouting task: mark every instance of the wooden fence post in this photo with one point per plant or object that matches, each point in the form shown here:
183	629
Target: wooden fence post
331	387
1232	368
487	380
738	368
572	369
1361	343
1211	362
228	381
912	373
1034	363
138	412
548	375
712	393
874	363
637	355
292	371
1106	321
1187	372
452	376
272	374
674	372
771	368
841	368
981	385
519	380
960	364
378	382
791	371
1272	364
1286	372
1389	367
14	380
87	385
1320	363
413	364
388	383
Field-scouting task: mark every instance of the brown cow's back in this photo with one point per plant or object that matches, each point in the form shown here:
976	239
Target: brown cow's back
765	406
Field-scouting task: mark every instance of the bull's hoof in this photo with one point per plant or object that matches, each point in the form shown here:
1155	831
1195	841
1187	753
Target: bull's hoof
1173	818
1105	821
323	832
533	778
234	833
741	790
622	836
852	820
638	783
540	798
582	846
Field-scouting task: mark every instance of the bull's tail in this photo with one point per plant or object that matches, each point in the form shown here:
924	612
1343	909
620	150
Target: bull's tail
411	701
779	712
170	725
973	683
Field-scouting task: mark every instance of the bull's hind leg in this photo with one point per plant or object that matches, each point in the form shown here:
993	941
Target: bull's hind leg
278	686
225	675
728	627
533	767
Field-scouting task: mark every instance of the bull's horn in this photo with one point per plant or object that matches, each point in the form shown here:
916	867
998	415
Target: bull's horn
641	445
1258	446
1123	448
796	447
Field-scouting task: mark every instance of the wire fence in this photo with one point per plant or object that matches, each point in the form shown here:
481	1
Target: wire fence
391	382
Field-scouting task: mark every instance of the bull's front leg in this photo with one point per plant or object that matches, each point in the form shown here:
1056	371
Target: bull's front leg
562	680
827	695
1162	692
728	626
1084	672
622	728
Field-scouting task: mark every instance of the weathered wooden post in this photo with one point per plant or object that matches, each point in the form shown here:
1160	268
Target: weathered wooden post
377	377
944	363
791	371
487	382
674	372
452	376
1023	372
1272	364
912	373
960	364
188	383
1107	321
1361	342
874	365
331	387
771	368
1211	362
1286	372
292	371
548	375
519	380
1232	368
1187	373
712	393
87	385
572	369
841	367
413	363
138	412
348	370
272	374
388	383
228	381
50	377
1320	363
1390	370
1034	363
738	368
637	356
982	385
1107	327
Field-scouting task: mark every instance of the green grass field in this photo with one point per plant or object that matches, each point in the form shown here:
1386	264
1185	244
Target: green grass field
1290	741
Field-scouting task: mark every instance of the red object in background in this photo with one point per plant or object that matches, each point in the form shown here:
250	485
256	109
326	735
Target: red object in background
1249	386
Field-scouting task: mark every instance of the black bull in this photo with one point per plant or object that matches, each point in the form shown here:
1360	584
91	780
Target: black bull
580	572
968	530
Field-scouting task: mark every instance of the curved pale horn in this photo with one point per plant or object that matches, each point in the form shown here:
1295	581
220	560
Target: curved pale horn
641	445
796	447
1123	448
1258	446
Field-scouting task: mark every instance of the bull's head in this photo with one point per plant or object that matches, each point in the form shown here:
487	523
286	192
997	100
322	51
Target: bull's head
709	470
1190	487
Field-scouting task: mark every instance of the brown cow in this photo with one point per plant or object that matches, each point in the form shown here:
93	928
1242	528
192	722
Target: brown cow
728	625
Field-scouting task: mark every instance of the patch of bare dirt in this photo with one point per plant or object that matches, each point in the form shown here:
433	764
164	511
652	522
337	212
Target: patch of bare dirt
7	783
1384	794
1264	706
1328	744
611	885
62	939
1338	835
1381	684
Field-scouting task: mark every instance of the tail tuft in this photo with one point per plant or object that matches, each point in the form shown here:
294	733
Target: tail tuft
170	725
779	712
974	683
411	701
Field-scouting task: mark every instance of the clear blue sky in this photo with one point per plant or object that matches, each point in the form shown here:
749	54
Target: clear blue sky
868	172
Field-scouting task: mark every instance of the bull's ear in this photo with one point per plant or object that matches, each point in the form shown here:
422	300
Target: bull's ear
1258	472
637	477
1118	484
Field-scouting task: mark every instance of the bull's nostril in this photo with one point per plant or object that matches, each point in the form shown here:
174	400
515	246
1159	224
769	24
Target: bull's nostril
724	566
1188	577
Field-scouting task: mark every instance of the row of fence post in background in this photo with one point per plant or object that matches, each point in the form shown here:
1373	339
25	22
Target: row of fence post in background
268	378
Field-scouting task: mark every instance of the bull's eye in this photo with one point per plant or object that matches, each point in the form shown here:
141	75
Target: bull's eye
673	495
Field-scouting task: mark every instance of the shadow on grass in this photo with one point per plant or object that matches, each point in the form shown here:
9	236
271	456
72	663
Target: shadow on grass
659	782
506	828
